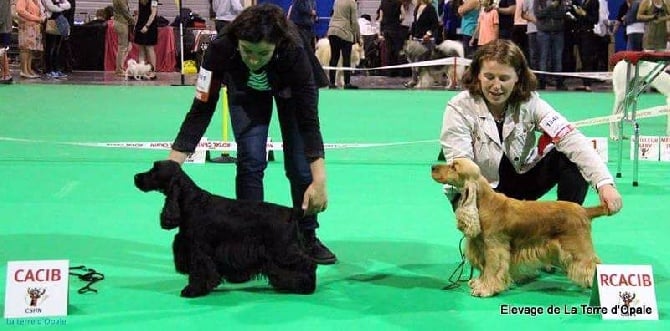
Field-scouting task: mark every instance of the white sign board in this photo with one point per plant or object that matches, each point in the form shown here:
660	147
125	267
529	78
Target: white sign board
625	292
200	153
36	288
665	149
648	148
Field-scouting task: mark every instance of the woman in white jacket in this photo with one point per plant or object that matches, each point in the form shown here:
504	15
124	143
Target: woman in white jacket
494	123
52	45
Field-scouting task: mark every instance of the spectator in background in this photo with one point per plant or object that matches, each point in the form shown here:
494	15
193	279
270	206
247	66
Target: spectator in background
634	27
426	30
54	10
225	12
407	8
343	32
488	24
146	33
469	12
531	33
5	35
550	15
451	22
392	33
66	61
586	16
506	9
122	23
656	14
303	14
520	28
30	34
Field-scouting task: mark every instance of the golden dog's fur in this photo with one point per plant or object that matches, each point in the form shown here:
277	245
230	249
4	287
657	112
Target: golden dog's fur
322	52
511	239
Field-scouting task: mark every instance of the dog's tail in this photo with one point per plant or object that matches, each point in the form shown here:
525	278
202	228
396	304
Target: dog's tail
593	212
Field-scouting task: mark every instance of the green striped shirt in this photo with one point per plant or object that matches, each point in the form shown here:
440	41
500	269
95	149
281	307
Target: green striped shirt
258	81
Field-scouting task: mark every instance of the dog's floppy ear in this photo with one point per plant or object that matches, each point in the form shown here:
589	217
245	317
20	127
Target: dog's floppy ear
171	213
467	214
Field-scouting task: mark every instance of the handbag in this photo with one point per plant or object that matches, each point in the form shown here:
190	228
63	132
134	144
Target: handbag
51	28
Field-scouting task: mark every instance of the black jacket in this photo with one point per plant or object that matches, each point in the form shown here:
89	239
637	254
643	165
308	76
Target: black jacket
290	73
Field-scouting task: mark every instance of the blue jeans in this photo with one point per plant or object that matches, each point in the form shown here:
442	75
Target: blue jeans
551	51
250	121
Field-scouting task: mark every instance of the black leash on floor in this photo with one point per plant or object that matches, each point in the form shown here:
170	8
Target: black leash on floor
88	275
457	274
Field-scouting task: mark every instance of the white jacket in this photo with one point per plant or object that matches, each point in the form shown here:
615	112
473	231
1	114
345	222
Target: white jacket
468	130
50	7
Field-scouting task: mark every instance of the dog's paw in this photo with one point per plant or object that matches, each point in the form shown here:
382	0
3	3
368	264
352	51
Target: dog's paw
191	291
483	290
474	282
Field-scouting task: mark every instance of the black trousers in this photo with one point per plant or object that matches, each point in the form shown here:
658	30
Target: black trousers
555	169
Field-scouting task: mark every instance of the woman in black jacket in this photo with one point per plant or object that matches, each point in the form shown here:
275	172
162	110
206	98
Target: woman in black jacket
260	58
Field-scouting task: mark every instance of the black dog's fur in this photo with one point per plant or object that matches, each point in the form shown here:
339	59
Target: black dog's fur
223	239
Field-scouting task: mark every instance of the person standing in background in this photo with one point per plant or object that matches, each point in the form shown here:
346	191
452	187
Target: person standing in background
303	14
146	33
550	23
225	12
5	35
52	46
343	32
655	14
66	60
391	33
122	21
531	31
31	18
469	12
520	27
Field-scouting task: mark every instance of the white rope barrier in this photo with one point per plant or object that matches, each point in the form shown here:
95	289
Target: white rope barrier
461	61
225	146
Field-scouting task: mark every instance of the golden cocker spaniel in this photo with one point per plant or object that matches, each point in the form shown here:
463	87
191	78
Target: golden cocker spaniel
509	239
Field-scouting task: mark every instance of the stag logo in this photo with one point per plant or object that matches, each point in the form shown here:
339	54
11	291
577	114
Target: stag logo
644	151
36	296
627	299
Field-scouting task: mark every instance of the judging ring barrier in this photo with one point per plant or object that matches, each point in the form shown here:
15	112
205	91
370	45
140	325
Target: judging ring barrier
635	85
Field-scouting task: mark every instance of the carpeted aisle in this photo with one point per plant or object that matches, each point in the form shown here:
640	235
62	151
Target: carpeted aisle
388	222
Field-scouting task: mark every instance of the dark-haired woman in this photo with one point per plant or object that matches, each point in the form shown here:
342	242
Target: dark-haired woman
260	58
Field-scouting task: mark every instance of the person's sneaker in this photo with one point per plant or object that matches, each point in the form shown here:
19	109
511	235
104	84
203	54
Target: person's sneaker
60	74
51	75
317	250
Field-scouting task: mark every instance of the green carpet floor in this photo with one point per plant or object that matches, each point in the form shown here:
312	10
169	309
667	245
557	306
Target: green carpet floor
388	222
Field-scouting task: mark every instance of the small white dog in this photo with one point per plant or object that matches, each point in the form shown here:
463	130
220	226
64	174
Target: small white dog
322	52
138	70
661	84
448	75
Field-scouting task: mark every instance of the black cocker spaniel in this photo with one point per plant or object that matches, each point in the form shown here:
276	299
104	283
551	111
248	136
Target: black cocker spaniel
222	239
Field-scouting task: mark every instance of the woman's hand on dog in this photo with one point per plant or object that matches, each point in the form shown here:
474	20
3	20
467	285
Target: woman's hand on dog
315	199
610	197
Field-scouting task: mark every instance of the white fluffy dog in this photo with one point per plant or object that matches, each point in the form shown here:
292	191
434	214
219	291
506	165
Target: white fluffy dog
661	84
322	52
138	70
448	75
